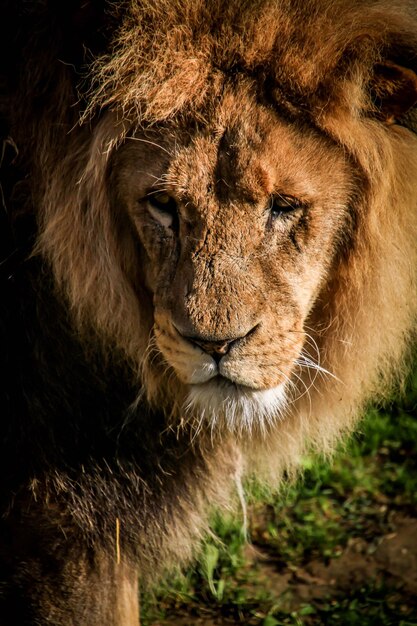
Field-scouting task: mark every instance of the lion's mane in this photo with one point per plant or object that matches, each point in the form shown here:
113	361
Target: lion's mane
155	62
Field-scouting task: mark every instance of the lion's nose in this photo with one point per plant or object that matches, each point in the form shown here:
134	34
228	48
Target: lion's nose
216	349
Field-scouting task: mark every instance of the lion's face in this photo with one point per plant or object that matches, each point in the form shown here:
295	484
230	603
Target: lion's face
238	221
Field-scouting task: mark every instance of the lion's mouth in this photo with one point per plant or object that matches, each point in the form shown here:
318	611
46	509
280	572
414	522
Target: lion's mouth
226	383
221	401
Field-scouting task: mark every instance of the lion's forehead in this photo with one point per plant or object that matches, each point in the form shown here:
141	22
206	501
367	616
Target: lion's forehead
239	158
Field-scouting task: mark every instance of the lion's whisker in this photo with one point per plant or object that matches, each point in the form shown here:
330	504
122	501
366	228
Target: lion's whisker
306	362
152	143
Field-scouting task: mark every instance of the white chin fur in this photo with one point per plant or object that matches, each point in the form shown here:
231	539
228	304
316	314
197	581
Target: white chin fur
219	403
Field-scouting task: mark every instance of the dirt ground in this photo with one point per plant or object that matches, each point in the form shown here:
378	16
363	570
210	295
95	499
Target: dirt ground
391	559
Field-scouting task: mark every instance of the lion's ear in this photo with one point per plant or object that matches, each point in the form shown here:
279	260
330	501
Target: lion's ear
393	90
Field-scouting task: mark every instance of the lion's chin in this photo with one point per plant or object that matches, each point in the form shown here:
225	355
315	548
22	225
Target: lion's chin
220	403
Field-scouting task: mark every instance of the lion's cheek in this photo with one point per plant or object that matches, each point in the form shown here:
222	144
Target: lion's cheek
291	303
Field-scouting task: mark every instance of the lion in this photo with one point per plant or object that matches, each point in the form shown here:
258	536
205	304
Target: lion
209	264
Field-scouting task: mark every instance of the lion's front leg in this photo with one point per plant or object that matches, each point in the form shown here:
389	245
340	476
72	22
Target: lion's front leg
61	582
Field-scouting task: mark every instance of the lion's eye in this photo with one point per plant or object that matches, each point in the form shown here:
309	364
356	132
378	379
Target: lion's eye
281	205
163	208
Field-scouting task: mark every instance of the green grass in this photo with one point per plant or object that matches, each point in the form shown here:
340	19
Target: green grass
356	499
